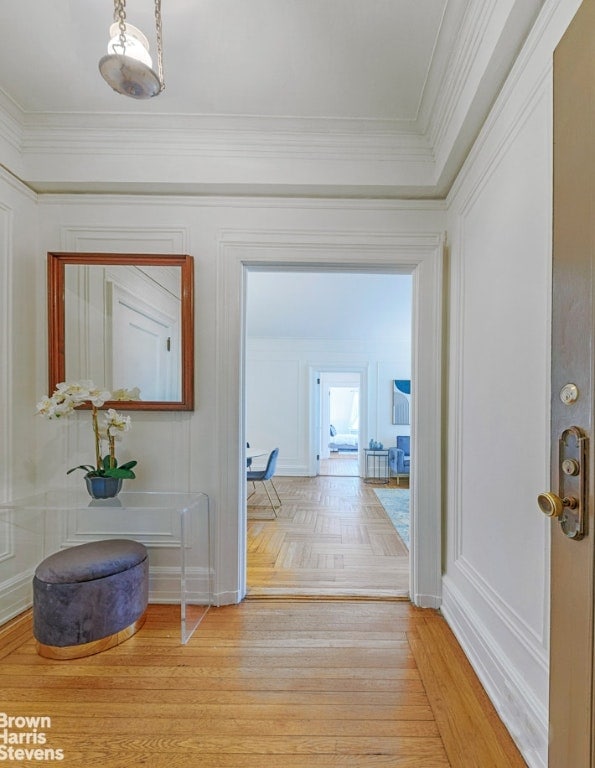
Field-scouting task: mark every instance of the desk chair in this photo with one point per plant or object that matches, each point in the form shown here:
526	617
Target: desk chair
263	475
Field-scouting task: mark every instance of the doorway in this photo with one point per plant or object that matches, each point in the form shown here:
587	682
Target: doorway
421	255
318	417
339	442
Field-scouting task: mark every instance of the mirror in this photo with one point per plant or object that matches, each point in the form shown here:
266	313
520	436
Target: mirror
125	321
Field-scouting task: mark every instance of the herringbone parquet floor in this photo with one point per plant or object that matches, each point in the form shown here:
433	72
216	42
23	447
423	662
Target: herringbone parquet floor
332	537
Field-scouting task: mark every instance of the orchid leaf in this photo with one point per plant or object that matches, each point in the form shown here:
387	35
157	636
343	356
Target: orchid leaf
119	472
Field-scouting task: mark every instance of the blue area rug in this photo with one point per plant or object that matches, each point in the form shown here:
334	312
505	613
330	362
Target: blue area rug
396	505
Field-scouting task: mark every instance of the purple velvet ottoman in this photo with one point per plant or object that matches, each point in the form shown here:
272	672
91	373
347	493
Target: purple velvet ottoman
89	598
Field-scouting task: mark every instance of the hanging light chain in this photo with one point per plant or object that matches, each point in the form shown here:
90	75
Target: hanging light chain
120	17
159	43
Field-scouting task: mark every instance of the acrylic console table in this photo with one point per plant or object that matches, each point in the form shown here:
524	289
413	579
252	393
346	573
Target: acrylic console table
35	526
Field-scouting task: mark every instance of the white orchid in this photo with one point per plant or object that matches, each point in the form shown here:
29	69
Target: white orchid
126	394
116	423
82	392
55	407
70	395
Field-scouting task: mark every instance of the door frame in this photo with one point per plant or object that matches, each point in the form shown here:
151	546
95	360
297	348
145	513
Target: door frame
420	255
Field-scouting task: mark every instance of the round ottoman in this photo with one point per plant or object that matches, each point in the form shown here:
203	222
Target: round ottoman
89	598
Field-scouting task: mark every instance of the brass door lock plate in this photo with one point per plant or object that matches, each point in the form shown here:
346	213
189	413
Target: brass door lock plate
570	504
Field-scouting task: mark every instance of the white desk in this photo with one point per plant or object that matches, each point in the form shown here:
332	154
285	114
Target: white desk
47	522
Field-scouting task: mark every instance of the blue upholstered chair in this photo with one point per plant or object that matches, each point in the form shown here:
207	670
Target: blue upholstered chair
399	459
263	475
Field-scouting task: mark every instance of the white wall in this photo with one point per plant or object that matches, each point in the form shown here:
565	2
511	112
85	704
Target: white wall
281	398
496	593
201	450
299	324
197	450
19	308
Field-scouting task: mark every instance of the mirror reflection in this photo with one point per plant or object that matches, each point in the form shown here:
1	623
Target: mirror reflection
124	322
122	327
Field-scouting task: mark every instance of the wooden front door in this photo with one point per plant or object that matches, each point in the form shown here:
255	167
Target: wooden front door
572	569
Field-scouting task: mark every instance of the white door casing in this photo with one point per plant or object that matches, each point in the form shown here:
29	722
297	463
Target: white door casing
418	254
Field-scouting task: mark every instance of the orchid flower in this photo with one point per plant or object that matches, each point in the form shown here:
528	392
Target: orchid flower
70	395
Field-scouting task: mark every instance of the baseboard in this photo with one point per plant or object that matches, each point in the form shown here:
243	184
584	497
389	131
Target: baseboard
426	601
517	706
164	585
16	596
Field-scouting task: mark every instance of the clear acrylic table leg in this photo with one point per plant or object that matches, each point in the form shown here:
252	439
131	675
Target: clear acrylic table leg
191	611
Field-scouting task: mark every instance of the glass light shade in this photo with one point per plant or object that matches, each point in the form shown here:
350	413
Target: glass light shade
136	44
128	69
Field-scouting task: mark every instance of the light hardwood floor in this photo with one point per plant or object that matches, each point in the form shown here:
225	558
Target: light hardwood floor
332	537
344	464
263	684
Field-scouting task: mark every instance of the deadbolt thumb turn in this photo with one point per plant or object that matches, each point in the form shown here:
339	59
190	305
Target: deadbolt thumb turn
569	507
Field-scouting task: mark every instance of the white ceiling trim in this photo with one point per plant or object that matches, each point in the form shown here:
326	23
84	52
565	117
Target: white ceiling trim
67	134
85	152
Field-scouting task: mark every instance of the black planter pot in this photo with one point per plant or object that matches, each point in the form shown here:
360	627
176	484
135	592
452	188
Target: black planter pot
103	487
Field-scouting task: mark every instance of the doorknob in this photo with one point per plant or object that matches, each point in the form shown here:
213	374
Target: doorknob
553	506
569	506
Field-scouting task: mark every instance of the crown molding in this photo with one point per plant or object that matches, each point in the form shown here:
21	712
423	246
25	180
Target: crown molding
211	136
235	154
528	81
11	135
244	202
197	155
492	32
472	31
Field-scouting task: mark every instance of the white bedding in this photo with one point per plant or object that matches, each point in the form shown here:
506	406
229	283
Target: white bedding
343	441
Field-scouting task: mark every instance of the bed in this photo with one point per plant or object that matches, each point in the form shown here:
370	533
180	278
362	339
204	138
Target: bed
342	442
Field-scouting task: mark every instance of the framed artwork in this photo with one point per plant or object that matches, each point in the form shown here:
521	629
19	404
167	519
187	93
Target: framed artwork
401	394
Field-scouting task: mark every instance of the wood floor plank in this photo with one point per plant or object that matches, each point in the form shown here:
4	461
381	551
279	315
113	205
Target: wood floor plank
331	537
295	684
15	633
456	698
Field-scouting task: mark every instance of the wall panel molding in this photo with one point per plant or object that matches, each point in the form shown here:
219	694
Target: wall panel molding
6	348
146	239
522	712
534	642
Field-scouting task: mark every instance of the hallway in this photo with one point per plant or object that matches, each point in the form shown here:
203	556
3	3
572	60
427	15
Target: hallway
331	538
266	683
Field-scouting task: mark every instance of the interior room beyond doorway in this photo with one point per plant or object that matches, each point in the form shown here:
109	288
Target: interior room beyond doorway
331	535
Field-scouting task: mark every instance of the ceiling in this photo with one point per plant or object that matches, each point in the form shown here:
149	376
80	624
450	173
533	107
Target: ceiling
341	306
365	97
305	58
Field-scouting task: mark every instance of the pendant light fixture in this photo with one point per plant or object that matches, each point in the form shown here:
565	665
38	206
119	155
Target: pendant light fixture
128	67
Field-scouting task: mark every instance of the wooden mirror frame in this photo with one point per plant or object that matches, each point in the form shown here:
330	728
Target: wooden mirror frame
57	261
